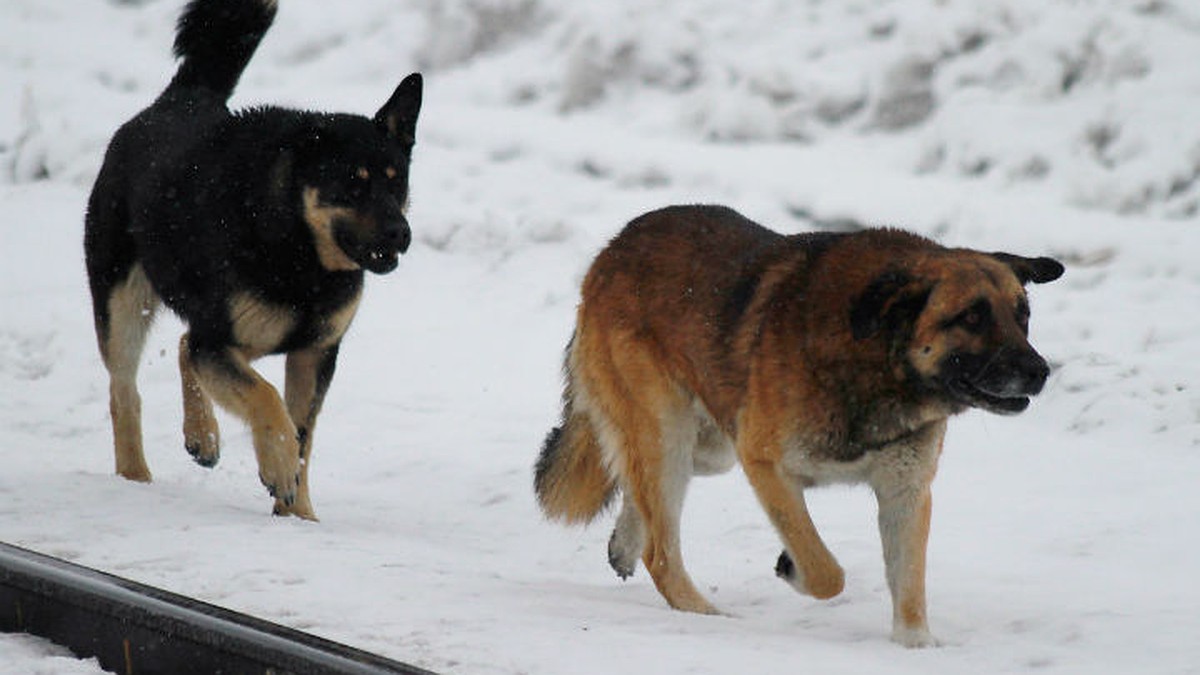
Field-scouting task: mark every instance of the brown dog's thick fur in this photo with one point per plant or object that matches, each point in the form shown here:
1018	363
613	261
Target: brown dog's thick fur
703	339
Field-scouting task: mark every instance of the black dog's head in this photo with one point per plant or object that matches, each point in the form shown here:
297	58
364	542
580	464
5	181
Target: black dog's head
960	323
353	176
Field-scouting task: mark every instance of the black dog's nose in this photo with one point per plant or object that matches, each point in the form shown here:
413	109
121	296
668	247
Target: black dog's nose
397	234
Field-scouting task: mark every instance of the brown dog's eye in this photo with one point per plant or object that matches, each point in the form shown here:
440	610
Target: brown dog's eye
975	318
1022	315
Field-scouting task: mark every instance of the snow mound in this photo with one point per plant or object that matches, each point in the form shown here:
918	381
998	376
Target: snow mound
1082	98
1085	97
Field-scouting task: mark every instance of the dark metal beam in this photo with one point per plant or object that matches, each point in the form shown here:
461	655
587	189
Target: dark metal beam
136	629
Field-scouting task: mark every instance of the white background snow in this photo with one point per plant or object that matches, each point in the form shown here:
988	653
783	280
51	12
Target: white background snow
1065	540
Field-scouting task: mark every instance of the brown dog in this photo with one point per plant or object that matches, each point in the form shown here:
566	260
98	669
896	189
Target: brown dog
704	338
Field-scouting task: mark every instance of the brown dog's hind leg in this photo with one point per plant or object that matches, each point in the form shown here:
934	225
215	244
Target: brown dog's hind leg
658	466
628	539
647	432
658	489
129	311
201	435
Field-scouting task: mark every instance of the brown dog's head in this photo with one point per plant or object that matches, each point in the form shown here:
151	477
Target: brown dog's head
959	324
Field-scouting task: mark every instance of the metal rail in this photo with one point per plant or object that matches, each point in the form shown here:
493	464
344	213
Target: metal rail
136	629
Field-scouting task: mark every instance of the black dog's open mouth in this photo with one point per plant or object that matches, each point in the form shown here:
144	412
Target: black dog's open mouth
379	257
967	392
380	261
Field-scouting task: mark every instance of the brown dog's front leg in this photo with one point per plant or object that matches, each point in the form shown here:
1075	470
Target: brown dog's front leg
902	488
806	563
904	529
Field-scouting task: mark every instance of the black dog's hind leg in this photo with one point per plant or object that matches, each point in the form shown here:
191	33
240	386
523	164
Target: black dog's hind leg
124	312
308	374
201	435
225	374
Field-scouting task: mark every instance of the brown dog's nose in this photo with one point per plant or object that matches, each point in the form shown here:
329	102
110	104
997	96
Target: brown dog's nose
1012	373
1017	373
1035	370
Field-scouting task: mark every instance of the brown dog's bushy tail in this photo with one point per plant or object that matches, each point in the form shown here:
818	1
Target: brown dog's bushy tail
570	478
215	39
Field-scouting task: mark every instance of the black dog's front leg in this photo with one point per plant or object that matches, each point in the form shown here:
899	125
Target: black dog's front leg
226	375
309	372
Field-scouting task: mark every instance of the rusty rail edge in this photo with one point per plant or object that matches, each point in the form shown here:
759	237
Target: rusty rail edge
136	629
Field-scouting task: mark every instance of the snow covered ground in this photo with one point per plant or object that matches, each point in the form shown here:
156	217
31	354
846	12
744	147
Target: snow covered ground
1065	540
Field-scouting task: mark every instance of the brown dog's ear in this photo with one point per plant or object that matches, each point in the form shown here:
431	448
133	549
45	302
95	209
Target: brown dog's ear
398	117
1037	270
889	301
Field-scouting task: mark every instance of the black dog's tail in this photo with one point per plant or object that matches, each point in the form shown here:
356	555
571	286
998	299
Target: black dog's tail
215	39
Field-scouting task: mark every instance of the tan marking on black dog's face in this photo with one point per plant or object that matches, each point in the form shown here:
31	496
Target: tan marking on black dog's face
322	219
259	327
970	339
357	230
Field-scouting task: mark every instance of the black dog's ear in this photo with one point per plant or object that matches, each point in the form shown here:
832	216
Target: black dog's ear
889	300
398	117
1037	270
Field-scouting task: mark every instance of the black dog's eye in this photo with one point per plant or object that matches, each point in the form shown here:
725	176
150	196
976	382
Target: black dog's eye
359	183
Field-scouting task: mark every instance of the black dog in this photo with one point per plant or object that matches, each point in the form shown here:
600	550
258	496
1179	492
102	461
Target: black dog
255	228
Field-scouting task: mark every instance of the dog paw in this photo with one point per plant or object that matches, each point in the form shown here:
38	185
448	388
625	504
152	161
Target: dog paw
300	508
205	453
279	466
138	474
696	605
201	434
784	567
284	491
828	583
622	556
623	568
914	638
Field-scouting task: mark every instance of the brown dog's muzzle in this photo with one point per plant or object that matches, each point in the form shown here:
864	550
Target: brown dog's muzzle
1001	382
